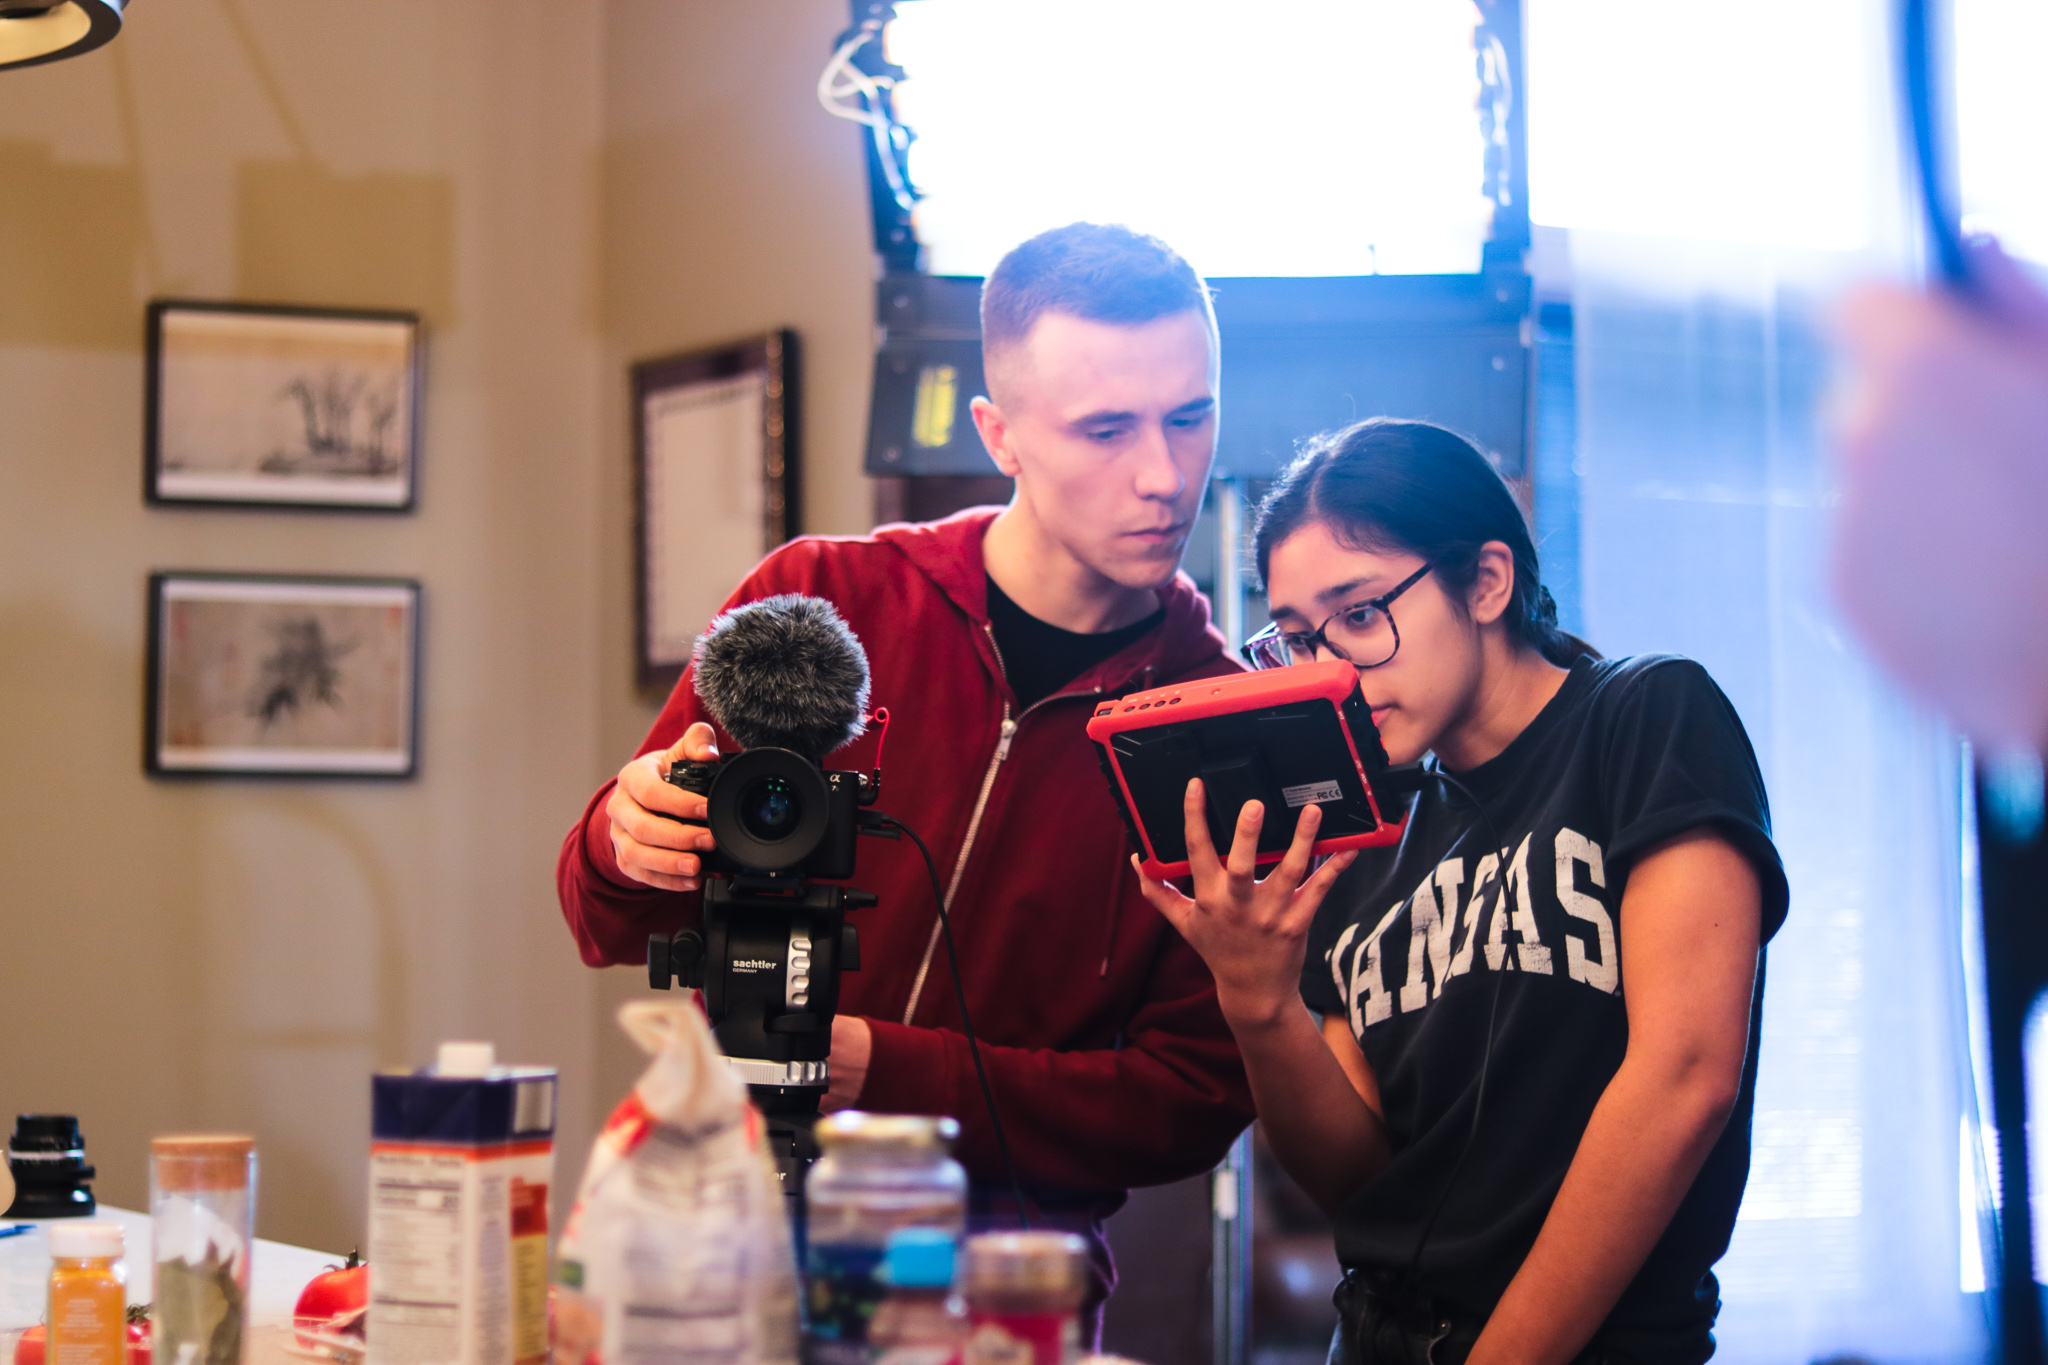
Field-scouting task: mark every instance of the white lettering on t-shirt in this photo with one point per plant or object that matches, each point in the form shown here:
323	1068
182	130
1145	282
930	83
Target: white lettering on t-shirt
1450	875
1500	911
1368	976
1483	909
1530	953
1513	914
1423	914
1432	931
1336	958
1445	930
1364	988
1604	971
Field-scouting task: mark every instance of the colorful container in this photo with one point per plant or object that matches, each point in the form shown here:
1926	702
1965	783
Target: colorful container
461	1157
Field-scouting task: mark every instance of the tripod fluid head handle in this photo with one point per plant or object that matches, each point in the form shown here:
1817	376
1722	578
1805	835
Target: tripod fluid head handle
676	957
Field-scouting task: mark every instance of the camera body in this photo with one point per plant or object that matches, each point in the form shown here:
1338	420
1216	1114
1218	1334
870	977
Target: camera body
775	814
1286	737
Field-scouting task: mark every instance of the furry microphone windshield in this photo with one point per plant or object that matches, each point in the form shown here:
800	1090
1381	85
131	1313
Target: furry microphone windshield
784	673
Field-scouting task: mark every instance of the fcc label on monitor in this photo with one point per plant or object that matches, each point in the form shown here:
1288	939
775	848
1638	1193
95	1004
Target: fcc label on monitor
1312	791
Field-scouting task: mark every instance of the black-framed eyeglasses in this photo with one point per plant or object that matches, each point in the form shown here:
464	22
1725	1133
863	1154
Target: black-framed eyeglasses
1362	634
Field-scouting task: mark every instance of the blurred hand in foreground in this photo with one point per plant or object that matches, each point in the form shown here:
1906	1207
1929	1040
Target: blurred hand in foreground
1941	538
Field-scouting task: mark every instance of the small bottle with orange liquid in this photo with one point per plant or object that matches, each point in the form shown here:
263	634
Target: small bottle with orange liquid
88	1295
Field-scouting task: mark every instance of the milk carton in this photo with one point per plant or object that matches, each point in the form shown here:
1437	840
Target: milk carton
461	1156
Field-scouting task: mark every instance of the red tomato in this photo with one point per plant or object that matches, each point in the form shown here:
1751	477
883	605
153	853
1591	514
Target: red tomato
333	1302
30	1349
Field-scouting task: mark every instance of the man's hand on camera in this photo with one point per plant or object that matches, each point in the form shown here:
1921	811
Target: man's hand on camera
649	847
852	1044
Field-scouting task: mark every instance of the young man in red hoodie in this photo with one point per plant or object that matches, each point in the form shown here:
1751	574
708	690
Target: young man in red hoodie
991	635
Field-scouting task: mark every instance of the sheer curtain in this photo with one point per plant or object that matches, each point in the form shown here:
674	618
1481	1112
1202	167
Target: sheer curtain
1724	169
1702	524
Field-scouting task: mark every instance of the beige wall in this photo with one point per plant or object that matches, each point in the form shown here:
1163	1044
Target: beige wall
732	204
560	188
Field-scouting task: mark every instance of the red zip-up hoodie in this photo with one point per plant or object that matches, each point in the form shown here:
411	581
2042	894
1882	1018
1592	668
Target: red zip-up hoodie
1110	1062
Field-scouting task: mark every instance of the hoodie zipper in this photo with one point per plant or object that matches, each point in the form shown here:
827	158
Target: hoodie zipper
1007	733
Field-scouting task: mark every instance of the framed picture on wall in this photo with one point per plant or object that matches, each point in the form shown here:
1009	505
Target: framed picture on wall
282	675
262	405
715	453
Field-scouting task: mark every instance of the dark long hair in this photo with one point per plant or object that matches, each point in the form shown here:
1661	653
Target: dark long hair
1414	487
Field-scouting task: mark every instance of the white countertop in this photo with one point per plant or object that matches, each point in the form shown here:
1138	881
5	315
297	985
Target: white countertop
277	1272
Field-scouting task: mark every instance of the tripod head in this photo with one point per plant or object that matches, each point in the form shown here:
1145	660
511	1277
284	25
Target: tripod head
768	962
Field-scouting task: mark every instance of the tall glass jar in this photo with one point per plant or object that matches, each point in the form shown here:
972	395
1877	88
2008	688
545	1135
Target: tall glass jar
878	1173
202	1204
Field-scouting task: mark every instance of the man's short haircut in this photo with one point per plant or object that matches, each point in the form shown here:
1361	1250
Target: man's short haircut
1103	272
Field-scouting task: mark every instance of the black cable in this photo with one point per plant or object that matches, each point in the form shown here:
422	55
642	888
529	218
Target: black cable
1500	975
988	1096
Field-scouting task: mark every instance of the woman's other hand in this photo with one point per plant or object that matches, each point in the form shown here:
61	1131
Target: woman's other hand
1252	933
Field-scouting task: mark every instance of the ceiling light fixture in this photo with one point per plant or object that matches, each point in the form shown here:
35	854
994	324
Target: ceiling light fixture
36	31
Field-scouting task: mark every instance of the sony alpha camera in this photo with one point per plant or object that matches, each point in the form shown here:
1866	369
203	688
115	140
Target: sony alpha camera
776	815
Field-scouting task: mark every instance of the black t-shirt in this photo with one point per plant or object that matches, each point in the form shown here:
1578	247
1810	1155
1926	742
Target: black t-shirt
1627	754
1040	658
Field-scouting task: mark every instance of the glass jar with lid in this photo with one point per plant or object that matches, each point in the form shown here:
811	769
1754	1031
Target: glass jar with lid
202	1204
878	1173
1024	1295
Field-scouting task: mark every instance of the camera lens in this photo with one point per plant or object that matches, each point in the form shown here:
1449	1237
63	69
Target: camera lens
770	810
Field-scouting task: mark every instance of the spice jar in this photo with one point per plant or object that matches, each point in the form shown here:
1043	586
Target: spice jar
1024	1293
88	1304
202	1200
878	1173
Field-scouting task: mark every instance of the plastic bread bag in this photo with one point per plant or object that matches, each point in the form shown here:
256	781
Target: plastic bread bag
677	1248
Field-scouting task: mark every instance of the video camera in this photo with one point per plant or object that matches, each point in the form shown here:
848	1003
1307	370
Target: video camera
787	680
772	944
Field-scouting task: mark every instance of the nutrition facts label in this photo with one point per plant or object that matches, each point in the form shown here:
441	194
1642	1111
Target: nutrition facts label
458	1247
416	1217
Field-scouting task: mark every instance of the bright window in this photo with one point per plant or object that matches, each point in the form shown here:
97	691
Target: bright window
1999	123
1739	121
1292	137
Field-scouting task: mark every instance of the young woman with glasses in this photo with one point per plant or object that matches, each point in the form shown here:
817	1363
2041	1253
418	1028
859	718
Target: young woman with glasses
1512	1055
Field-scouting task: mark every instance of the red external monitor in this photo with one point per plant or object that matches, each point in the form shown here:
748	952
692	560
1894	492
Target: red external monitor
1287	737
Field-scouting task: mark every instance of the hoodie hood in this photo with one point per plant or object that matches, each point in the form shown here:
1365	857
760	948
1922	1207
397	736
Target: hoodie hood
949	553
